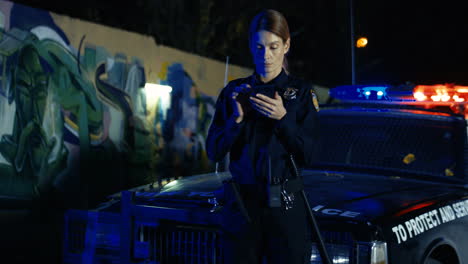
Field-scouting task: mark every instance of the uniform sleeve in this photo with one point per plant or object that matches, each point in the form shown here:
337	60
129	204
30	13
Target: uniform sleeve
223	130
298	130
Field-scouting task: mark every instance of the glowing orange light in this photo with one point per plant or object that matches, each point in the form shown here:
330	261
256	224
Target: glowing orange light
441	93
444	97
419	96
456	98
461	89
361	42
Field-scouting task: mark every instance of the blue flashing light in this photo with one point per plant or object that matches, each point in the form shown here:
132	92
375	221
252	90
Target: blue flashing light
359	92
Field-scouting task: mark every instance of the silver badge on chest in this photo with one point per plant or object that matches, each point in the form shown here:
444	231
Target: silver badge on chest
290	93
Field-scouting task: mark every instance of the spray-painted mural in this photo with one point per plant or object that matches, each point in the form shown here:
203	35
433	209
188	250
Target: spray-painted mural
78	118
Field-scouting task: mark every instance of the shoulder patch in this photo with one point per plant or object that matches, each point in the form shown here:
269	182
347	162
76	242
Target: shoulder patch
314	100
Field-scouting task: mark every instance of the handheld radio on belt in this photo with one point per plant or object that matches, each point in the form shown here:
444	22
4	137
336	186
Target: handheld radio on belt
274	188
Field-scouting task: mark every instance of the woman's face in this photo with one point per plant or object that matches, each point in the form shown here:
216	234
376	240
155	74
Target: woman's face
268	52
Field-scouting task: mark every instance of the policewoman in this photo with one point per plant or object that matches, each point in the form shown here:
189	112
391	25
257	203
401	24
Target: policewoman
267	122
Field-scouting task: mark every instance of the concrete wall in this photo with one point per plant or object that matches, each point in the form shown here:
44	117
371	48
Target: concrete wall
75	113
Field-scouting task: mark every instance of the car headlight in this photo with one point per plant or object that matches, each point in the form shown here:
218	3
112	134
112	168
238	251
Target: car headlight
379	253
338	254
358	252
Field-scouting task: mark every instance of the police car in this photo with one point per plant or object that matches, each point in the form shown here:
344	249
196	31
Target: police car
390	186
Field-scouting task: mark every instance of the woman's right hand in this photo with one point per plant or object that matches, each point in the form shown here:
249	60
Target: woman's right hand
241	104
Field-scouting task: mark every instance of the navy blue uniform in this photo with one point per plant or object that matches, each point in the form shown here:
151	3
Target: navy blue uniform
259	149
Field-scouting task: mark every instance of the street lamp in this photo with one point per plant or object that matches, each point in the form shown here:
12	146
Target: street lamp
361	42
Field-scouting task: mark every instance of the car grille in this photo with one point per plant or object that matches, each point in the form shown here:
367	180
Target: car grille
183	244
160	242
178	244
76	236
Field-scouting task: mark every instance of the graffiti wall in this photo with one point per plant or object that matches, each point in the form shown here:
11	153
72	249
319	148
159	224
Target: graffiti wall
87	110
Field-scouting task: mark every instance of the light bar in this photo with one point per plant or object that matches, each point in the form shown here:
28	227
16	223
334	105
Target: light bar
359	92
440	93
448	96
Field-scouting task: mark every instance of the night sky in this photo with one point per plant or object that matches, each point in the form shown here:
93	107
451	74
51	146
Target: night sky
424	43
409	41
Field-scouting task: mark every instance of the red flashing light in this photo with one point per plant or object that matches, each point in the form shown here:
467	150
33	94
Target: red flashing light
444	93
453	96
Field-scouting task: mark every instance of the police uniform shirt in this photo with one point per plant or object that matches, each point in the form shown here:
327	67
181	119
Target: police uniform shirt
258	139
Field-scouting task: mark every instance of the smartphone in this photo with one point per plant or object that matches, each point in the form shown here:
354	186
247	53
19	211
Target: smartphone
265	89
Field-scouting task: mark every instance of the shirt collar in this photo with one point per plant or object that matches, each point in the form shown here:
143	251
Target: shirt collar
278	81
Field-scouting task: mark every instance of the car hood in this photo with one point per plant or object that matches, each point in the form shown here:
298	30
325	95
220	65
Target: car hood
333	194
374	197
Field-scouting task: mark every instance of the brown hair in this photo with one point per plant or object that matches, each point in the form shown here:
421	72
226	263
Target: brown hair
272	21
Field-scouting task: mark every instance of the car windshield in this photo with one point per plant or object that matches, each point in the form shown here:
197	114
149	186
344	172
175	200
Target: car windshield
393	140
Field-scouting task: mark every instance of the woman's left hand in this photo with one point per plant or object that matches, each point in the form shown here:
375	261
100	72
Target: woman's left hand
269	107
